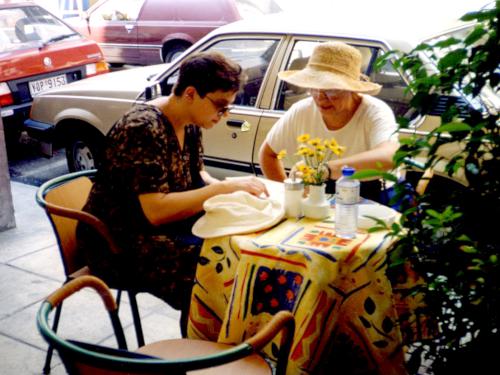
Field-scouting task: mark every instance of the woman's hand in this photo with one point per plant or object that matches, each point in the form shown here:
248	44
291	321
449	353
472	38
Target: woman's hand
249	184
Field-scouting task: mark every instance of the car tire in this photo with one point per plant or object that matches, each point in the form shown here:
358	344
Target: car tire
172	50
84	151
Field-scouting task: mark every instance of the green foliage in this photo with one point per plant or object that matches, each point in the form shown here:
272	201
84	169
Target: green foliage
452	240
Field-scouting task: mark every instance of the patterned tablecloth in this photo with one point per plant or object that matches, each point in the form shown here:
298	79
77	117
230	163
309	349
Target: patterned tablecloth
337	289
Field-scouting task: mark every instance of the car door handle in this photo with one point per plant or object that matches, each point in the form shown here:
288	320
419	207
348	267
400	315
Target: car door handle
129	27
242	124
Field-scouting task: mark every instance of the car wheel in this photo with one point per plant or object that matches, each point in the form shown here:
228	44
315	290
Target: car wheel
172	51
84	151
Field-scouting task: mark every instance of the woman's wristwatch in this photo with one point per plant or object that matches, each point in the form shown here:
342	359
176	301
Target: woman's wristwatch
326	172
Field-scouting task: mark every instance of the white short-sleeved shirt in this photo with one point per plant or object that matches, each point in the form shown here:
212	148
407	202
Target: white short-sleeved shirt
372	123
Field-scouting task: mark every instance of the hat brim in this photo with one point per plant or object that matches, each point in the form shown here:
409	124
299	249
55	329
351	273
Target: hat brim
327	80
217	221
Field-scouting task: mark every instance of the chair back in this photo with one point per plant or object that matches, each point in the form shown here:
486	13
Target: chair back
63	199
85	358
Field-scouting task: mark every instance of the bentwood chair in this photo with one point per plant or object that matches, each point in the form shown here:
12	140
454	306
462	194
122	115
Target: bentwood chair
175	356
63	199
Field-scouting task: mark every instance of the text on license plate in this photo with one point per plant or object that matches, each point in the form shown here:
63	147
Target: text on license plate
37	87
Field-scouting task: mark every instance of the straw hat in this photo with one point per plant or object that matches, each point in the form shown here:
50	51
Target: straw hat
237	213
333	65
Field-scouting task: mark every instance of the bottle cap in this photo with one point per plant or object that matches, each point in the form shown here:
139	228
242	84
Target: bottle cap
347	171
293	184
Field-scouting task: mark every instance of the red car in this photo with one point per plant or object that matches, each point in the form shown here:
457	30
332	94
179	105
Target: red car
38	52
145	32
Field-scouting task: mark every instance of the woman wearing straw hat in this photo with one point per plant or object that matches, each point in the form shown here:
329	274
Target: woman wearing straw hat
340	106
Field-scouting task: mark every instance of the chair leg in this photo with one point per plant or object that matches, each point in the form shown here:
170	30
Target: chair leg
50	349
136	317
118	297
184	321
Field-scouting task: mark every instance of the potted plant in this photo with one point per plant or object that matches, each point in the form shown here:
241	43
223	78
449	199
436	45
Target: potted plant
451	240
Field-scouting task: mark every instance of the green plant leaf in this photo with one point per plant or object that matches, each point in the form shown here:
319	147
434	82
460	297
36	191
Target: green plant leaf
468	249
371	173
447	42
475	35
452	59
453	127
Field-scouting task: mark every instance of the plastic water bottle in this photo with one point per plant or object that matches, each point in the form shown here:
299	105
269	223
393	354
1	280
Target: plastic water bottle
346	204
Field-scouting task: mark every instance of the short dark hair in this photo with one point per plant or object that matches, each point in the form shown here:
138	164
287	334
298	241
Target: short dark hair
208	72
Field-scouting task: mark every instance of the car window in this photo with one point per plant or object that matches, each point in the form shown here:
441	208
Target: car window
118	10
25	26
253	55
393	91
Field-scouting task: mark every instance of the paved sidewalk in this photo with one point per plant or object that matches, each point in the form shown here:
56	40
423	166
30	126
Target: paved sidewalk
30	269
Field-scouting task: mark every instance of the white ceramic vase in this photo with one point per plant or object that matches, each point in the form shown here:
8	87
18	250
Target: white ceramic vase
316	206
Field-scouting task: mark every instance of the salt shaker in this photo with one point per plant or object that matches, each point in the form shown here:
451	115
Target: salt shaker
294	190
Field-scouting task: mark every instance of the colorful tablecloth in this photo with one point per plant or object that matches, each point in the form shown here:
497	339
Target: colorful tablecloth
337	289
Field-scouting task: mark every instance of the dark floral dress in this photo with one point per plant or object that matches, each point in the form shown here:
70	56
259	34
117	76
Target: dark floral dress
143	156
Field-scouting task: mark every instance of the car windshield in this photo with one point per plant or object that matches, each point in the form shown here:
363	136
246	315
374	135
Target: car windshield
25	27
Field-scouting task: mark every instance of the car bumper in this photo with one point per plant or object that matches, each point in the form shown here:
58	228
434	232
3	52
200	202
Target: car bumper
40	130
14	115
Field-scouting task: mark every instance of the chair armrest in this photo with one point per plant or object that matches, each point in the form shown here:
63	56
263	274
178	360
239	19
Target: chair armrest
87	218
283	321
82	282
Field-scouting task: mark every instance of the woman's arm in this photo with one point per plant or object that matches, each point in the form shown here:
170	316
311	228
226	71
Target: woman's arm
207	177
271	166
379	157
160	208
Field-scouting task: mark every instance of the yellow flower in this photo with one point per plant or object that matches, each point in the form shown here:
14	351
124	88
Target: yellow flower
315	153
331	143
281	155
303	168
303	138
315	142
337	150
303	151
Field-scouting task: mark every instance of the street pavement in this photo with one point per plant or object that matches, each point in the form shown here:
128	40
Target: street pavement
30	269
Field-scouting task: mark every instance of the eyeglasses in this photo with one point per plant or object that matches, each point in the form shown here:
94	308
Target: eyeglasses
221	109
330	94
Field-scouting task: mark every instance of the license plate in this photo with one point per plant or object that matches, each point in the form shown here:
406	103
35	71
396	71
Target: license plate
42	85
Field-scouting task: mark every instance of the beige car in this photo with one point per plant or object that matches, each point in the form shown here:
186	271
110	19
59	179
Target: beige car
79	115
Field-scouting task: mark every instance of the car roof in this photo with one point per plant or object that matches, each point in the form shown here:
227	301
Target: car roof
397	33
